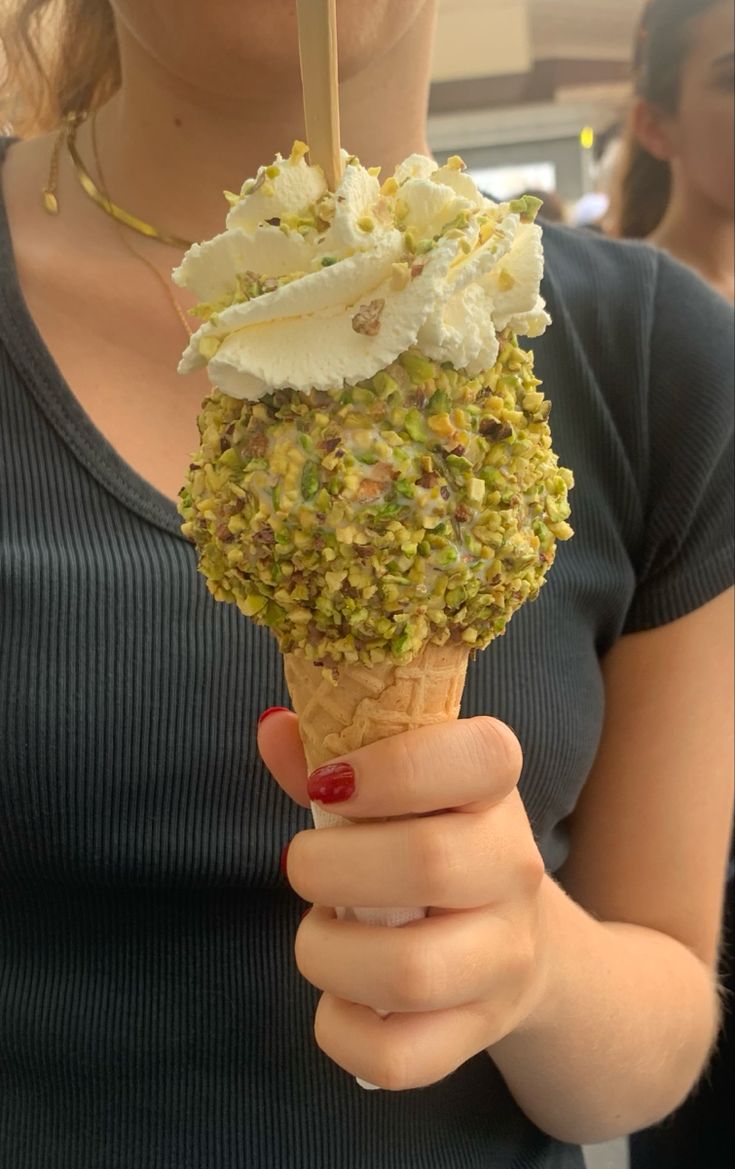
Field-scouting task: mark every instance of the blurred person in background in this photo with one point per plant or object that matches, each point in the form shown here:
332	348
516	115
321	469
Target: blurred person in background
676	190
677	184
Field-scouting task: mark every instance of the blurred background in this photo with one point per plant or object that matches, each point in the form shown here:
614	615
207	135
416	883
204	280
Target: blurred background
533	98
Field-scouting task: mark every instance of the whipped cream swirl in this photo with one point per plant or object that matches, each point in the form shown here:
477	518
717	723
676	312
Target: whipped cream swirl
312	289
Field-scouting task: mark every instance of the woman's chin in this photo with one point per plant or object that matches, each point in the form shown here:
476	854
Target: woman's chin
256	40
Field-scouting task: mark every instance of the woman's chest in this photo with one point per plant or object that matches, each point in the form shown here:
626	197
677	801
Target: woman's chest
117	343
128	707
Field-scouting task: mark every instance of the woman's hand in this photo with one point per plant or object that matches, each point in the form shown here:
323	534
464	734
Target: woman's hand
470	973
578	1002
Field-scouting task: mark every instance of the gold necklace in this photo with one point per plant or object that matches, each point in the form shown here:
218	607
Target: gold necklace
68	136
164	283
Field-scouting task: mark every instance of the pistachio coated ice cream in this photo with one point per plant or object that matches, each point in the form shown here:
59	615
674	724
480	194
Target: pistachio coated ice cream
375	470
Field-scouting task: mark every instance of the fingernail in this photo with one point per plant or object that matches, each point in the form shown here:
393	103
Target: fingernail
332	784
271	710
283	861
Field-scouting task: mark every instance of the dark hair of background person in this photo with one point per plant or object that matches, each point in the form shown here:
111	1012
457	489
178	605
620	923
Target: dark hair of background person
661	48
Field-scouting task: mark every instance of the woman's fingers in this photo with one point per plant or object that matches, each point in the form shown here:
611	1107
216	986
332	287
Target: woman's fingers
280	747
467	764
460	764
400	1051
430	965
448	861
455	982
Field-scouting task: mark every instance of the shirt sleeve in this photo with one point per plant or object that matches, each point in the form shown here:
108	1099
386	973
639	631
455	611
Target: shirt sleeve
686	555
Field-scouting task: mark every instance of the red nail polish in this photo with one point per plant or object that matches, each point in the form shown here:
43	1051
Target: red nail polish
332	783
271	710
283	861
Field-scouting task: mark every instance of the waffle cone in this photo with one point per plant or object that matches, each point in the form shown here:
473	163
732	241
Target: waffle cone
367	704
373	702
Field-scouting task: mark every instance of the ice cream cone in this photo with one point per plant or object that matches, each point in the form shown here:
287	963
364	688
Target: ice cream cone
371	703
367	704
375	481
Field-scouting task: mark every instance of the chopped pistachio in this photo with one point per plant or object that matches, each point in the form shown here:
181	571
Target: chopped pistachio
442	540
459	463
367	318
439	403
441	424
310	480
476	490
528	207
416	426
384	384
252	604
532	401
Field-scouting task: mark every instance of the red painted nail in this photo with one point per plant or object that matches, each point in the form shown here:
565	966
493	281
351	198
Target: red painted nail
332	784
271	710
283	861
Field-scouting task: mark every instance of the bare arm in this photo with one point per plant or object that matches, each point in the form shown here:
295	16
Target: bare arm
630	1008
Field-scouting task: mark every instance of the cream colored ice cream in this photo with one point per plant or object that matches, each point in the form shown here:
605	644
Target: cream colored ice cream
312	290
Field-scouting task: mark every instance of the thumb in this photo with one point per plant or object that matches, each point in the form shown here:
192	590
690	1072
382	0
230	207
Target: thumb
281	751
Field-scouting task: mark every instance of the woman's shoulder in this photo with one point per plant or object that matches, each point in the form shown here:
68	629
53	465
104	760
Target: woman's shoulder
580	250
623	281
640	358
640	321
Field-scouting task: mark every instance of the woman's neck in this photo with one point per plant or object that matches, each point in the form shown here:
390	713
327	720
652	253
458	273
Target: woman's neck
168	151
701	234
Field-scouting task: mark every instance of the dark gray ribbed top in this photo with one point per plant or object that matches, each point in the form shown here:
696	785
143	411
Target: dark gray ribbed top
151	1016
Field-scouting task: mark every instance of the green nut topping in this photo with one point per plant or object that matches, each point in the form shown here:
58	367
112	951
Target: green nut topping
420	506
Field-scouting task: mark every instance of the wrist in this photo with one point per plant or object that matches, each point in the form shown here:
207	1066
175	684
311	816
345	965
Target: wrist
560	930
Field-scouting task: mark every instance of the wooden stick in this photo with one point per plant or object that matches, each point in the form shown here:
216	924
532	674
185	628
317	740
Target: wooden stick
319	78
